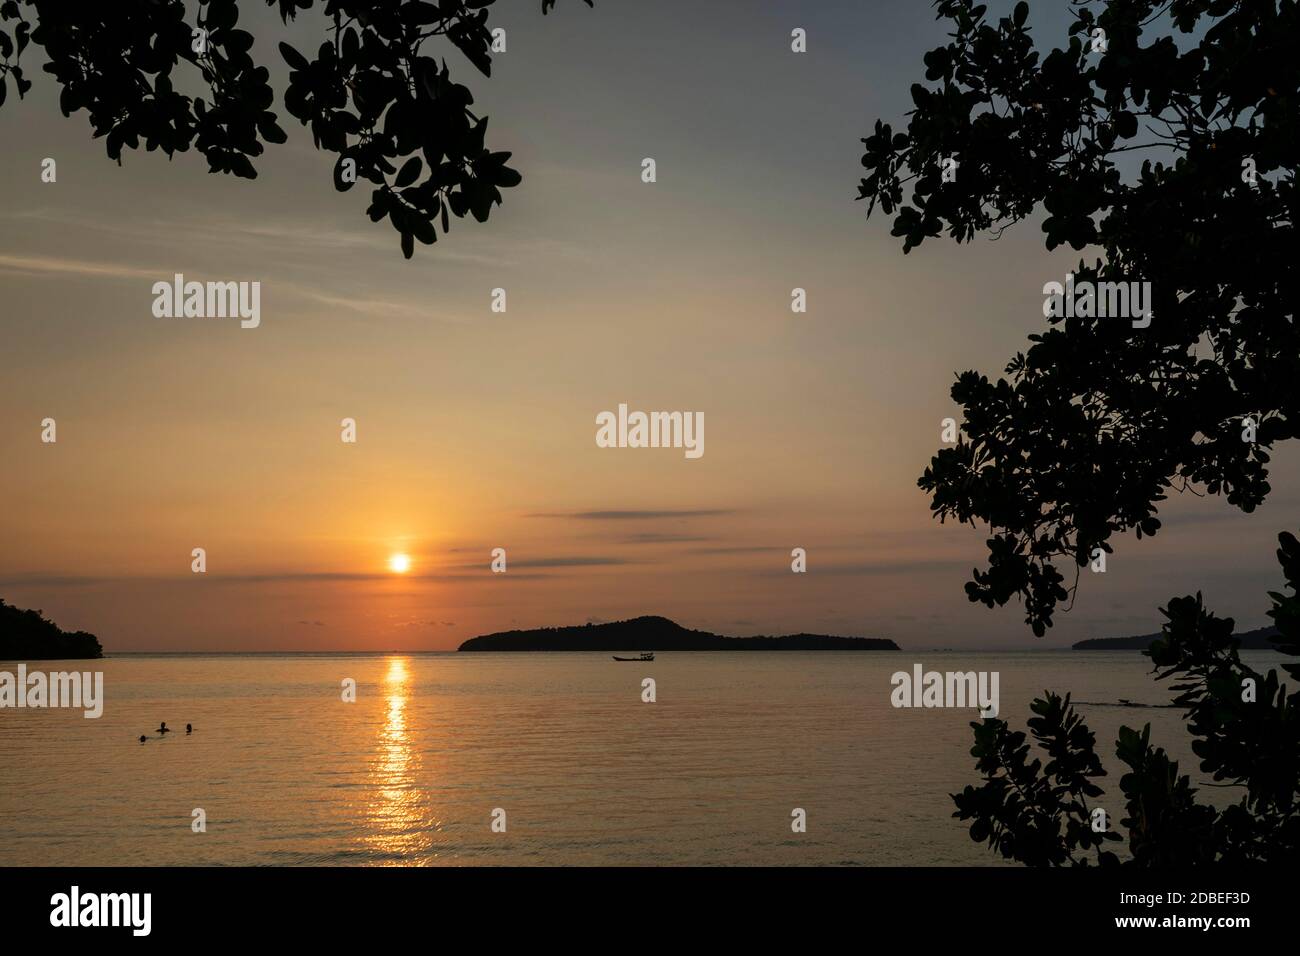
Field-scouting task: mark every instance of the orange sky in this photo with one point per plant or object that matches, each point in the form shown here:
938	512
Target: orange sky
476	430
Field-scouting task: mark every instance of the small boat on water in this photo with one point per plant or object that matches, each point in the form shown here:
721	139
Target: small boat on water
646	656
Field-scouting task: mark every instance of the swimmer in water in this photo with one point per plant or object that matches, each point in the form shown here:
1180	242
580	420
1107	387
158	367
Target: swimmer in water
143	738
189	729
163	729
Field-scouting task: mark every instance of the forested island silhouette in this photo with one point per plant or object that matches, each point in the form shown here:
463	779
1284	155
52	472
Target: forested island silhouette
652	633
1260	639
29	636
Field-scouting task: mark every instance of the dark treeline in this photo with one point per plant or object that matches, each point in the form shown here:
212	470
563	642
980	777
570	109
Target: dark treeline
1260	639
28	636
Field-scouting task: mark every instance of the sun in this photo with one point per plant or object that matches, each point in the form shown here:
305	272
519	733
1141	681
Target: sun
399	563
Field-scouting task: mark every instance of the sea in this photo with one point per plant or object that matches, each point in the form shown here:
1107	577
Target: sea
521	759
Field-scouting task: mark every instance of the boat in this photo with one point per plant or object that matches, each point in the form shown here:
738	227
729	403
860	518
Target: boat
645	656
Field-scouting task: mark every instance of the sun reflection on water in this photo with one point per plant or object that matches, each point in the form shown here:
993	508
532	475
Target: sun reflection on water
400	824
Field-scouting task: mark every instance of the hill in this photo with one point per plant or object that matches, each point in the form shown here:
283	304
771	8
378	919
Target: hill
660	634
1256	640
28	636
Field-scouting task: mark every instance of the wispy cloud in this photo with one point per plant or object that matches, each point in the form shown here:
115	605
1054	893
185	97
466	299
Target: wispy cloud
881	568
579	561
742	549
54	266
309	239
469	574
632	515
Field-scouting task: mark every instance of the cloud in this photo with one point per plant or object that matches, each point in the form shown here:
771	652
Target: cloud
576	561
312	238
372	307
42	580
479	573
881	568
632	515
53	265
743	549
810	547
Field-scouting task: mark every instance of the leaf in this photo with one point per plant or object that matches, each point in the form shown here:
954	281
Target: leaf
270	129
410	171
293	57
241	167
423	230
237	42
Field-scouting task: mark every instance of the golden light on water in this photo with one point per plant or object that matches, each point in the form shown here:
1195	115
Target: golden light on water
399	823
399	563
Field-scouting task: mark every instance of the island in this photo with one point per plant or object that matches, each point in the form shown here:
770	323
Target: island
1260	639
652	633
28	636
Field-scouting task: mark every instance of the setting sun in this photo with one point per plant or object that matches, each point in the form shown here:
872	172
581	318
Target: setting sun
400	563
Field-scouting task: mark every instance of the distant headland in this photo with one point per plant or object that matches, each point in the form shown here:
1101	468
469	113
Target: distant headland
660	634
1259	639
28	636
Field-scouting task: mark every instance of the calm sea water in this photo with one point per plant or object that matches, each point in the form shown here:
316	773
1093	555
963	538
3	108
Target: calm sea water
587	774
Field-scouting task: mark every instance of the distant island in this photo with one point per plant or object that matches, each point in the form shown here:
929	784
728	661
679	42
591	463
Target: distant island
28	636
661	634
1259	639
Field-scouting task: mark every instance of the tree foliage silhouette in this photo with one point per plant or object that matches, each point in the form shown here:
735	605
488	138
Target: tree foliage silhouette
1096	421
1039	814
372	94
29	636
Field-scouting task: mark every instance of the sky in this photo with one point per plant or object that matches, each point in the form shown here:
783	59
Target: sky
476	429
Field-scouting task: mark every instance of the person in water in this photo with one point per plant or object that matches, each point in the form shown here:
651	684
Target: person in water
163	729
189	728
143	738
